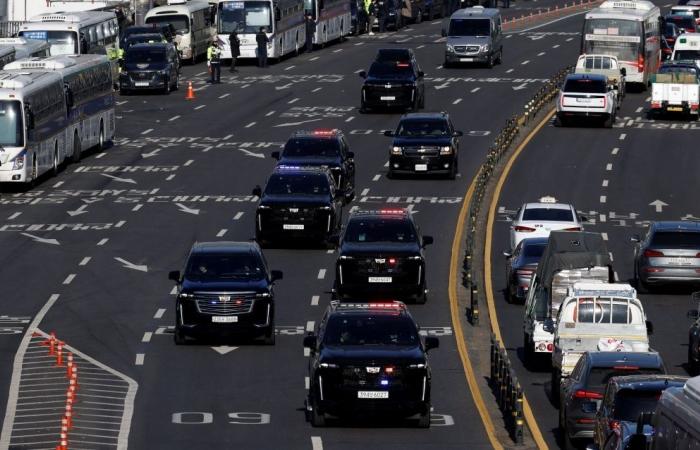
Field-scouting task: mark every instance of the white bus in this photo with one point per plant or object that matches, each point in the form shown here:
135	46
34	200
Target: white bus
628	30
7	55
33	123
89	97
283	21
26	48
332	17
193	23
75	33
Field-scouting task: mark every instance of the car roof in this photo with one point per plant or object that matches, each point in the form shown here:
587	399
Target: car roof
475	13
225	247
535	241
676	225
612	359
316	134
547	205
142	35
299	170
586	76
425	115
393	213
162	45
648	382
378	307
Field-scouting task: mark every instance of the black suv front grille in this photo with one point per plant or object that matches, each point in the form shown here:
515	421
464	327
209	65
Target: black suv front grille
224	304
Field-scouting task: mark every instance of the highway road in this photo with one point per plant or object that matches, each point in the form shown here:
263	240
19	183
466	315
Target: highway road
86	254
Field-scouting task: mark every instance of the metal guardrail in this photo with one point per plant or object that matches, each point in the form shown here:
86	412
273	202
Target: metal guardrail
507	389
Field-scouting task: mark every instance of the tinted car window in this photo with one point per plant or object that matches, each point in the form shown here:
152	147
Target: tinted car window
685	22
216	266
600	313
470	27
145	55
311	147
409	128
555	215
630	403
534	250
390	70
370	330
393	55
679	55
674	239
599	376
297	184
586	85
379	230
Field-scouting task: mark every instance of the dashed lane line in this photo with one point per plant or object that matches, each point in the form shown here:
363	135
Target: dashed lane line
14	216
221	232
59	184
170	177
316	443
314	58
509	70
350	119
314	300
140	357
270	113
102	242
251	124
605	183
527	61
605	235
292	101
608	167
476	89
238	215
173	118
321	274
541	53
603	199
199	107
188	162
310	326
69	279
159	313
225	95
137	207
147	131
317	89
376	177
364	192
555	46
147	336
457	101
615	150
290	67
85	261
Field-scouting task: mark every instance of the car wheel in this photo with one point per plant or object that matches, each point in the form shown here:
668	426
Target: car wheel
269	338
642	287
166	87
489	62
528	353
176	87
453	172
556	385
178	336
422	299
446	64
419	17
692	362
422	101
55	165
562	422
610	121
499	60
317	417
424	419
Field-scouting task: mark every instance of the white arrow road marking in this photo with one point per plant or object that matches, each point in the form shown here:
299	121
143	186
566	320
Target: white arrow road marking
293	124
519	87
223	349
283	87
77	212
441	86
411	210
187	210
128	265
41	240
658	204
149	154
249	153
115	178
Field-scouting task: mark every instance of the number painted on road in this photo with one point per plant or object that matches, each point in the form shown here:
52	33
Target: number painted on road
193	418
10	330
436	331
248	418
441	420
234	418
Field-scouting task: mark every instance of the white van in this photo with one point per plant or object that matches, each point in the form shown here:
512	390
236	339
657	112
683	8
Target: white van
687	47
677	418
193	22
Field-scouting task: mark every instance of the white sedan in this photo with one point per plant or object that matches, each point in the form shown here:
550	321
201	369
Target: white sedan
534	220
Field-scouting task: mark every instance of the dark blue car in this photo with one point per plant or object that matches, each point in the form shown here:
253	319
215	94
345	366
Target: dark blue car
521	265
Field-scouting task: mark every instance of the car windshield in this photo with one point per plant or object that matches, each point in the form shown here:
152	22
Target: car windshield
534	250
548	214
470	27
599	376
686	22
420	128
676	239
221	266
145	55
615	37
244	16
144	39
393	55
600	311
11	127
629	403
378	329
180	23
308	147
377	229
679	55
390	70
586	86
297	184
60	42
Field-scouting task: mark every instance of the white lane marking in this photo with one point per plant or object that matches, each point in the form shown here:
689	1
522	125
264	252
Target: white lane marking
159	313
173	291
509	70
69	279
310	325
188	162
615	150
147	336
314	300
307	351
137	207
119	224
439	67
307	383
364	192
317	89
623	136
103	241
85	261
330	251
200	74
139	359
290	67
238	215
170	177
227	137
436	22
555	46
458	100
316	443
350	119
100	155
339	50
570	39
294	100
605	183
221	232
420	46
244	86
603	199
251	124
509	36
525	62
270	113
225	95
173	118
199	107
321	274
376	177
314	58
17	367
147	131
14	216
121	103
608	167
359	43
640	109
541	53
605	236
475	89
58	184
386	164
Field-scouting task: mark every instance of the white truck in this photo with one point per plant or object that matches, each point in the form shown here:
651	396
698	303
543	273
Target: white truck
676	89
604	65
570	256
597	317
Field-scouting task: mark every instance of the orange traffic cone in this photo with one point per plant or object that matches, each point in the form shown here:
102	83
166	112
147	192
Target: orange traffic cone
190	91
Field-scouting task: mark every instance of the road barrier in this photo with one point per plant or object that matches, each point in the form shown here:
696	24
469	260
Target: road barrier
507	390
190	91
555	12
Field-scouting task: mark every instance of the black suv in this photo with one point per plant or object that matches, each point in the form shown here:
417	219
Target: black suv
325	148
368	358
393	82
225	289
166	30
424	143
150	66
299	202
381	254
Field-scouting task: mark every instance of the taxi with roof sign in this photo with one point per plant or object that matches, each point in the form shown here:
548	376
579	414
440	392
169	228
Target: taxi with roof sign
538	219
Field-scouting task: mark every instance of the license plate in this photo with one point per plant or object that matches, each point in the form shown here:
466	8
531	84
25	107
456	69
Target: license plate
466	59
387	97
680	261
380	279
675	108
224	319
141	83
372	394
421	167
289	226
584	100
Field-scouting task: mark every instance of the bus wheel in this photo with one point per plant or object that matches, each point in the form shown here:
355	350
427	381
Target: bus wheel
54	167
35	173
101	140
75	157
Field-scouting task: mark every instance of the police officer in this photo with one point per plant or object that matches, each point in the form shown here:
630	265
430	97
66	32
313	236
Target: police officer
310	31
262	40
372	13
382	13
214	62
235	44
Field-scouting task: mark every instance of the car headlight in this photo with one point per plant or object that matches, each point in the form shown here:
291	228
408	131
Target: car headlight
416	366
164	72
486	47
446	150
450	48
263	207
345	257
396	150
18	162
329	366
263	295
184	295
324	208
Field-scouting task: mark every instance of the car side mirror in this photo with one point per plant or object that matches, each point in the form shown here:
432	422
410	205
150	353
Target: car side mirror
548	325
275	155
310	341
457	134
174	275
650	327
431	342
623	72
276	275
388	133
362	74
427	240
351	155
334	240
635	238
507	254
257	191
444	32
693	314
421	74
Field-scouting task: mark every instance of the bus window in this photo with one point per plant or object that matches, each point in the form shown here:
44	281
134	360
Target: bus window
11	127
60	42
247	16
180	23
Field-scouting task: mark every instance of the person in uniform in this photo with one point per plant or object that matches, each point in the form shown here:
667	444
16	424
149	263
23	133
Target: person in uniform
214	62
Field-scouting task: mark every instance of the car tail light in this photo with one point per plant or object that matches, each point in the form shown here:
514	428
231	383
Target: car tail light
655	105
626	367
525	272
585	420
523	229
550	347
653	253
392	261
614	424
640	64
389	370
573	229
694	106
588	395
653	269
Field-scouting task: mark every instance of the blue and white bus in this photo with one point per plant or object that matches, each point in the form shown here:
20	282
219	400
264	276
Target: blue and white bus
333	19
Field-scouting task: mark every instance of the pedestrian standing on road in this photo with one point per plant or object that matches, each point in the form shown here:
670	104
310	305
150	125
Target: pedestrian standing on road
214	62
235	45
310	32
262	40
382	13
372	13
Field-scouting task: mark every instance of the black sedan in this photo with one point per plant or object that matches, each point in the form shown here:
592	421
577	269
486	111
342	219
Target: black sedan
398	84
521	265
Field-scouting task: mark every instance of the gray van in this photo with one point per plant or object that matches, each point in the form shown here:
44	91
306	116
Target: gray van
474	35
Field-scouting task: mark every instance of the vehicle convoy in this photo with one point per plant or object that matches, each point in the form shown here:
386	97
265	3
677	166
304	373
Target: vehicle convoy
192	23
597	316
225	290
676	89
381	255
585	96
393	83
150	66
538	219
298	203
568	258
474	35
424	143
166	30
609	67
685	22
145	38
368	359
